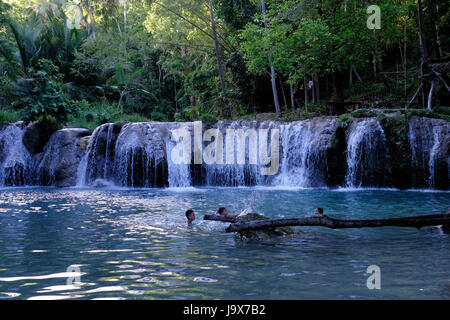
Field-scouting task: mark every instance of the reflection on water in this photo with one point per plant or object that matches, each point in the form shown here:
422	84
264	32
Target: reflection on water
134	244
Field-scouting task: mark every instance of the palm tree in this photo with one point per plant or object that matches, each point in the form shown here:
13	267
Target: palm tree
39	37
27	40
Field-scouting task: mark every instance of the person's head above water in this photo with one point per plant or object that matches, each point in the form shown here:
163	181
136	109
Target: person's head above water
190	215
224	212
319	211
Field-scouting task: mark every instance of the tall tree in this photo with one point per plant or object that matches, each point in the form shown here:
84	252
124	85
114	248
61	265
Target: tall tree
424	68
219	61
272	69
91	19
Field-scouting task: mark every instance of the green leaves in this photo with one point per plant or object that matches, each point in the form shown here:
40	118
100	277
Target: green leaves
302	37
43	98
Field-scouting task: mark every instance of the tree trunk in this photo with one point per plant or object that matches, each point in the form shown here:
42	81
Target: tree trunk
316	84
437	34
306	95
283	93
118	26
91	17
355	72
291	88
415	94
430	96
175	92
325	221
272	69
423	49
405	79
125	15
219	60
274	88
337	90
374	68
380	68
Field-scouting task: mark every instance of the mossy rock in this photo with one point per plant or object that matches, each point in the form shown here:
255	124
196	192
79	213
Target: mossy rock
344	121
395	127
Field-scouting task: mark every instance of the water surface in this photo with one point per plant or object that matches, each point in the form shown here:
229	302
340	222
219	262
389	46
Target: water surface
134	244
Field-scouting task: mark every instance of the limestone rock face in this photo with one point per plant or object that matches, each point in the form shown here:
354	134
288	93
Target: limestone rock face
36	136
58	163
384	151
83	143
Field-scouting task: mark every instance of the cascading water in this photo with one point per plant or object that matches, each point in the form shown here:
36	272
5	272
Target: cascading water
429	142
44	172
97	163
179	174
304	152
140	156
15	160
229	171
134	156
367	155
311	154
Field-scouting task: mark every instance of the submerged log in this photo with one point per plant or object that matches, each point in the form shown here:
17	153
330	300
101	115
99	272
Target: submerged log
263	234
216	217
325	221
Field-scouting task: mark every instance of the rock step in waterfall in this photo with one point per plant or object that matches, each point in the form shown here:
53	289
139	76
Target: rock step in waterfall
25	164
367	155
312	153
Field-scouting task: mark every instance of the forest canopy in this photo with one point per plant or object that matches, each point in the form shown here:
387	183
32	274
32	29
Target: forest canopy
88	62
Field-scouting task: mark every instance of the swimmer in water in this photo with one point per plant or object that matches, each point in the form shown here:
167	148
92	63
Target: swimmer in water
223	212
190	216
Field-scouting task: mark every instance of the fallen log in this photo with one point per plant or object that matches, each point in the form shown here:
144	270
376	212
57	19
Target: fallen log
216	217
325	221
266	233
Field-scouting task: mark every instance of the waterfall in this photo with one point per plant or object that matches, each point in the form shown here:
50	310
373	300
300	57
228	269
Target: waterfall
304	152
45	170
367	154
313	153
179	175
140	156
97	162
133	155
229	172
429	152
15	160
81	171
